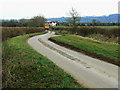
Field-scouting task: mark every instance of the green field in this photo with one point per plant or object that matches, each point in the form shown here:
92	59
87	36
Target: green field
88	26
23	67
62	26
108	26
109	50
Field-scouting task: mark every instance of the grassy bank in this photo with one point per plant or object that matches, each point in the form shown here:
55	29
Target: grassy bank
97	48
25	68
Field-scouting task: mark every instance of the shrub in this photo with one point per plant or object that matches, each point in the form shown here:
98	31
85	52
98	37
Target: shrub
9	32
84	31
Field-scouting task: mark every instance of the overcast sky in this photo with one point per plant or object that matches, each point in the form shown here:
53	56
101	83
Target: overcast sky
17	9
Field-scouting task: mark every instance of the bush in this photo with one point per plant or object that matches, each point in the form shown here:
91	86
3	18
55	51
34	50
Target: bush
85	31
9	32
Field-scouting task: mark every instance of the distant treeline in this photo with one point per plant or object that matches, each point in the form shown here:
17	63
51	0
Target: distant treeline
37	21
89	24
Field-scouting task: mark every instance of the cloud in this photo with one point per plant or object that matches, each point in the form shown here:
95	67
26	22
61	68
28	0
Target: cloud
55	8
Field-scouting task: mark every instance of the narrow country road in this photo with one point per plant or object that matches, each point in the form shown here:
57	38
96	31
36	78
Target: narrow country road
89	72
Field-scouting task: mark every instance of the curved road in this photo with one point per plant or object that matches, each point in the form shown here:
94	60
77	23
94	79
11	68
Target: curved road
89	72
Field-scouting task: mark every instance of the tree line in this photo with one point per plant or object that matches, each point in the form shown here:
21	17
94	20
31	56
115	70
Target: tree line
88	24
36	21
39	21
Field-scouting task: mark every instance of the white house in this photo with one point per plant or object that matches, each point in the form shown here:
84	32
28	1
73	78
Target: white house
52	23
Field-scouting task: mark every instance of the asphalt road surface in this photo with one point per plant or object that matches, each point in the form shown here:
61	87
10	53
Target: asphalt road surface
89	72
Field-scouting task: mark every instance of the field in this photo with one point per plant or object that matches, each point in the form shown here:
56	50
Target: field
98	49
25	68
90	26
108	26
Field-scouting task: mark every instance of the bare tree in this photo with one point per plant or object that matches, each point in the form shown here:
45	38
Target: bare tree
94	22
74	17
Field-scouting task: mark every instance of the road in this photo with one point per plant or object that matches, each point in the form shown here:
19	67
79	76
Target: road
89	72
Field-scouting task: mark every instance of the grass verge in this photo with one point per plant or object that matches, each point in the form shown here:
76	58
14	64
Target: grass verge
23	67
101	50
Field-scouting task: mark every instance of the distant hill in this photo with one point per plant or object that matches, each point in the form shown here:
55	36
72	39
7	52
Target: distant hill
105	19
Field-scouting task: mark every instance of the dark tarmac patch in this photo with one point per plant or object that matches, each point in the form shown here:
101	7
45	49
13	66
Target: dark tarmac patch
94	55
